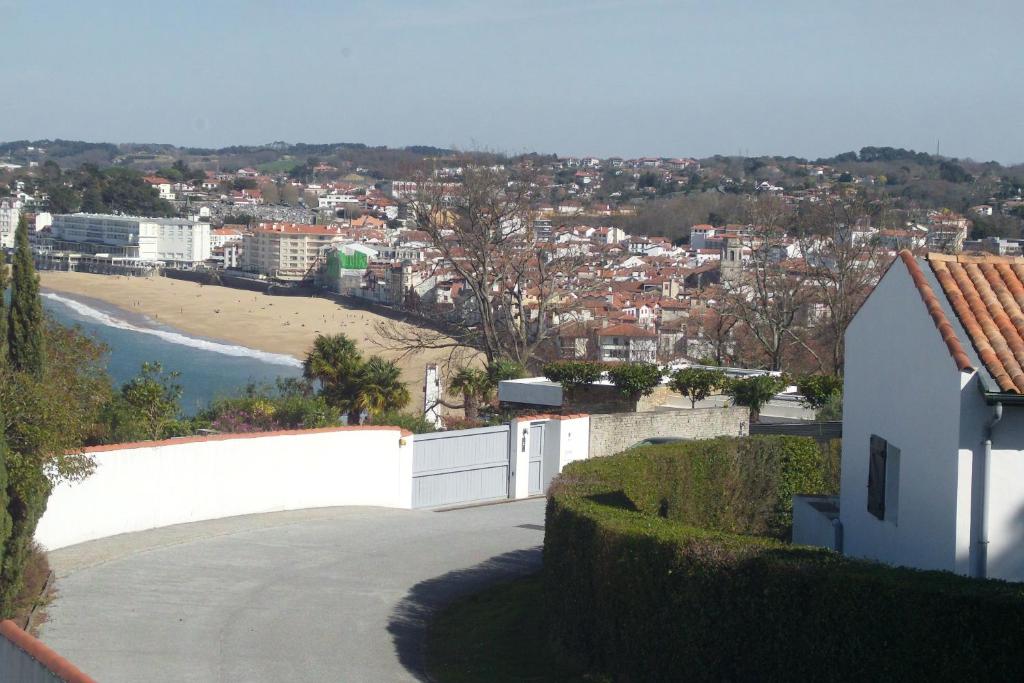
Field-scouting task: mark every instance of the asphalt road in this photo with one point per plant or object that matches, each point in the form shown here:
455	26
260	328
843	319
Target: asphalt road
340	594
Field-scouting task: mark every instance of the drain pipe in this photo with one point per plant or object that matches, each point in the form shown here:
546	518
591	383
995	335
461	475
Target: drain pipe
986	492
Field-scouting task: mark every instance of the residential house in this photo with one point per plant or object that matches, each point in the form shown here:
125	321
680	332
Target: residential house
933	419
627	342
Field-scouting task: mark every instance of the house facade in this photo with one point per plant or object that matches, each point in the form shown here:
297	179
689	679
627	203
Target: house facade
933	418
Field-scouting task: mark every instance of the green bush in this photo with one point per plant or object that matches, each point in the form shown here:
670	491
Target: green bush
634	380
648	598
416	424
741	485
573	374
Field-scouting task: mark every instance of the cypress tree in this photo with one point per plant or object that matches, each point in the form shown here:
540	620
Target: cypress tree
3	309
27	487
25	317
5	515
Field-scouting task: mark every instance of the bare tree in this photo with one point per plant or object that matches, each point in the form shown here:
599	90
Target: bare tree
516	292
769	294
844	263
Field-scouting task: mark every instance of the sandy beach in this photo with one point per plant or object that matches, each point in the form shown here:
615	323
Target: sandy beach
277	324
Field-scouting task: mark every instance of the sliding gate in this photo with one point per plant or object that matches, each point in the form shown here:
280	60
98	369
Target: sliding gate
461	466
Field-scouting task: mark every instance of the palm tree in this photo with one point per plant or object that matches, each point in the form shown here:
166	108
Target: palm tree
336	363
381	389
475	386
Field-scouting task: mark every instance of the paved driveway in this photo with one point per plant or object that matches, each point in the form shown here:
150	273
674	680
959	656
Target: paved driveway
340	594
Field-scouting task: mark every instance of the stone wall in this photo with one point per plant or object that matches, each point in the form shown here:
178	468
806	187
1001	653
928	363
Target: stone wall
614	432
604	398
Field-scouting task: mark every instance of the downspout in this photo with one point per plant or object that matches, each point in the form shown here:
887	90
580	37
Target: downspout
986	492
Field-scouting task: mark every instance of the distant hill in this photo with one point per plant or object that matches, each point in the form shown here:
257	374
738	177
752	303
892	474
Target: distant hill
378	161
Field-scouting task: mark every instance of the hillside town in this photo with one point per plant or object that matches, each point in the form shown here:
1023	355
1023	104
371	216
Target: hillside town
612	293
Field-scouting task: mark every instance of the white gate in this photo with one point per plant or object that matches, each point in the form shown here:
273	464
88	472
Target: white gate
461	466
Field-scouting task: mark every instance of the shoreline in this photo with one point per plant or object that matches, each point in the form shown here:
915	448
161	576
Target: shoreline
278	325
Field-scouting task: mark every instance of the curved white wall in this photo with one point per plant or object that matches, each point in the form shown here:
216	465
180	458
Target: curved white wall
148	485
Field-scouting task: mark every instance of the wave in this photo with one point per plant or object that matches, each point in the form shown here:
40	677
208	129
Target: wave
173	337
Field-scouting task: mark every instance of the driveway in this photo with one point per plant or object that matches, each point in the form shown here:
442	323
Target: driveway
339	594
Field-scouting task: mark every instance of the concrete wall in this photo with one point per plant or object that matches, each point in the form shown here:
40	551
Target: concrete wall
1006	503
813	521
613	433
901	384
25	659
154	484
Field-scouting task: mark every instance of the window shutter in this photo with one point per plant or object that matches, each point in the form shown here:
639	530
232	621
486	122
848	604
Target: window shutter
876	477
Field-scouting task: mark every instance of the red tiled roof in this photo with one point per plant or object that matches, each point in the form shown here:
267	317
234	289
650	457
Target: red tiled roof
987	295
931	302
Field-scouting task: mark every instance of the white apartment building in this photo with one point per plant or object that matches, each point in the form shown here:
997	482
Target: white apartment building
335	200
287	251
221	236
10	212
171	240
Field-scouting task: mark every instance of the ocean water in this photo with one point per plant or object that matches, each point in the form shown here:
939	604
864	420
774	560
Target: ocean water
209	369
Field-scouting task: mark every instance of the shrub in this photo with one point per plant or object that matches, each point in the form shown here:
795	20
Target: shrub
414	423
634	380
754	392
696	383
572	374
648	598
823	394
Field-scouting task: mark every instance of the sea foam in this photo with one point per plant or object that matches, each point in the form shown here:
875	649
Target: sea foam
173	337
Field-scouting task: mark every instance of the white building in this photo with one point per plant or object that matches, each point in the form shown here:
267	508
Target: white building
287	251
335	200
221	236
933	420
10	212
171	240
627	342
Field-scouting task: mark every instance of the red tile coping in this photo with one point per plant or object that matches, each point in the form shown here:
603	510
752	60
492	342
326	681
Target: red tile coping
35	648
246	435
931	302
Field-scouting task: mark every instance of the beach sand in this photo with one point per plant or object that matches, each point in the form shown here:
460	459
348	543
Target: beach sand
278	324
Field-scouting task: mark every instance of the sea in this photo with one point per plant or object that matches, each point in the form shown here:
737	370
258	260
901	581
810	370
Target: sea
210	369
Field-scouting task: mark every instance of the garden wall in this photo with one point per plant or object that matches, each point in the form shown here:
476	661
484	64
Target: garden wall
614	432
159	483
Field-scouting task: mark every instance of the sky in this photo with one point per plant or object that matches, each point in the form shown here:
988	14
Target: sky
599	77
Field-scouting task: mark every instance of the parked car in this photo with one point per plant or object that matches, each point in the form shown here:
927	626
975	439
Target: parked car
657	441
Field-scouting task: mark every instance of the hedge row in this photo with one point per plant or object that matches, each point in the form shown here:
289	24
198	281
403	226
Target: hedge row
729	484
649	598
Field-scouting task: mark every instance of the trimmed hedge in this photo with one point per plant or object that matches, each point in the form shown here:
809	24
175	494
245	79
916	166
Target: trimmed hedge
740	485
645	597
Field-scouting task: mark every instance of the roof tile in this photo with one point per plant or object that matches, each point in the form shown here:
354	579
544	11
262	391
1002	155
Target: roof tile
987	295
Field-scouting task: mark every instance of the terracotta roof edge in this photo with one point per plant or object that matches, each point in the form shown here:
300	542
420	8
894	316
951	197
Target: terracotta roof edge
931	302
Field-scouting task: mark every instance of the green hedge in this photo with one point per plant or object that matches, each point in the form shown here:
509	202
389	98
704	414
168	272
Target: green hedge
649	598
728	484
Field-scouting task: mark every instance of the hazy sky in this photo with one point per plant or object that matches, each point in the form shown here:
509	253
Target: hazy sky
600	77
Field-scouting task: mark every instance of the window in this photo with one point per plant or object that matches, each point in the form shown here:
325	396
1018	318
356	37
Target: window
883	479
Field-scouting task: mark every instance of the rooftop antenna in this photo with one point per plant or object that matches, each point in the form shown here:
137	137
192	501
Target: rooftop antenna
937	141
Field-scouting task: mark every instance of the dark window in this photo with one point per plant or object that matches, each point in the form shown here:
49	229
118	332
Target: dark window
876	476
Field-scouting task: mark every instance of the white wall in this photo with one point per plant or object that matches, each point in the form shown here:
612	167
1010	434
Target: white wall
902	384
566	439
1006	502
164	483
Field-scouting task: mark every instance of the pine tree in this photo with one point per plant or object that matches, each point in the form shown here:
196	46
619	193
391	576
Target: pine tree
25	317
